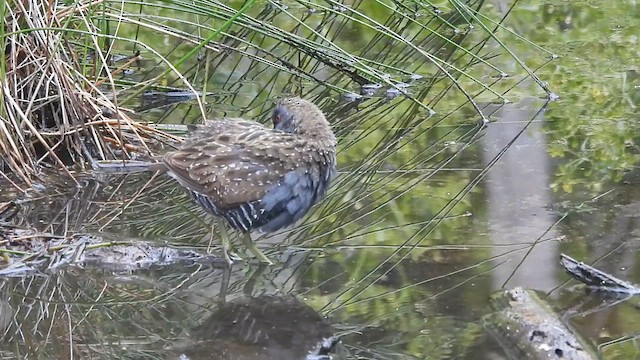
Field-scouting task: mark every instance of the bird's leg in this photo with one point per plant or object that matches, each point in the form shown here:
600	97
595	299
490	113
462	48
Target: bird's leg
229	255
246	240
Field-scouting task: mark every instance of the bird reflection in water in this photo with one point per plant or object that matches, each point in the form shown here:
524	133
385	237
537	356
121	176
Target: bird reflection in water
264	327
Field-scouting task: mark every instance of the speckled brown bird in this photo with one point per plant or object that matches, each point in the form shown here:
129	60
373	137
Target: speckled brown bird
255	177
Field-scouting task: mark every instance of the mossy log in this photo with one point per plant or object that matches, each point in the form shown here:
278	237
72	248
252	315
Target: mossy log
526	327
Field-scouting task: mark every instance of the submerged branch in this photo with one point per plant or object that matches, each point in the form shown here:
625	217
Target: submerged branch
596	279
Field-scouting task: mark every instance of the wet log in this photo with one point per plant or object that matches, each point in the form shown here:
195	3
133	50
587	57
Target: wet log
597	279
526	327
25	250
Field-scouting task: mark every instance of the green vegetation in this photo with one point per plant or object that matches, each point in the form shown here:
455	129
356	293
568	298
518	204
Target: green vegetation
592	128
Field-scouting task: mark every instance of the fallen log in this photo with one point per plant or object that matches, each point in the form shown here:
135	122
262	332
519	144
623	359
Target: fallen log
25	250
526	327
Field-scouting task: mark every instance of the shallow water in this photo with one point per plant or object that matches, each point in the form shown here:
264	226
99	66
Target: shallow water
402	256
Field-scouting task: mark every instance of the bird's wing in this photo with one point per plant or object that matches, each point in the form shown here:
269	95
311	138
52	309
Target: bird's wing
220	127
236	161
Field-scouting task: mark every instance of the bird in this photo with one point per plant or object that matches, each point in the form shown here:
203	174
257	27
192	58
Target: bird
255	177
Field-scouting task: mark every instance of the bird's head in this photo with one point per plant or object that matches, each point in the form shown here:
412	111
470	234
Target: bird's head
298	116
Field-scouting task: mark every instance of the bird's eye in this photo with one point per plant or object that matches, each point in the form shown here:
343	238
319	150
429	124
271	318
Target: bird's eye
277	119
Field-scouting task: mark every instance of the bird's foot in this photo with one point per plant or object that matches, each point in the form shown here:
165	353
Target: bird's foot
231	256
246	239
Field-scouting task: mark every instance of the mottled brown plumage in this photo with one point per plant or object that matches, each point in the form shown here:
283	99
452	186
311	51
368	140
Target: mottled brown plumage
256	177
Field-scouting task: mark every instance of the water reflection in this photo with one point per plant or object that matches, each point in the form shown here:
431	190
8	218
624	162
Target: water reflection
166	312
264	327
519	198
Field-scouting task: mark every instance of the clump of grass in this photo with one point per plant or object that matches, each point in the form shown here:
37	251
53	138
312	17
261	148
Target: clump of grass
56	107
